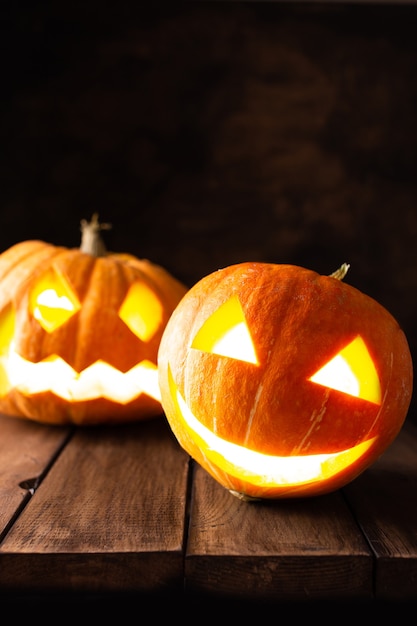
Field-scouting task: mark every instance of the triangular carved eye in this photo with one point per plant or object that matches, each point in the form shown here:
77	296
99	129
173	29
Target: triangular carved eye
53	301
225	333
352	371
141	311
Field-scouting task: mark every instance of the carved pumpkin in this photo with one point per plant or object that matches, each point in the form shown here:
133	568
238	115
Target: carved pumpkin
281	382
80	331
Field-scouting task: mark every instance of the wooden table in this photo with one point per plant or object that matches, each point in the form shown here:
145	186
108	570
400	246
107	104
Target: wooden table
104	511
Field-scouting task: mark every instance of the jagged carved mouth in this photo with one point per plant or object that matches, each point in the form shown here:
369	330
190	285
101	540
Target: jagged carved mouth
99	380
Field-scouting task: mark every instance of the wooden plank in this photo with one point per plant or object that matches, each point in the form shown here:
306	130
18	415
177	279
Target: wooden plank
282	550
108	516
384	499
26	451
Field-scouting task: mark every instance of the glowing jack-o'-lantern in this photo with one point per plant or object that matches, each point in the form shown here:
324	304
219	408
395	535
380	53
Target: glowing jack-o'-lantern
80	331
281	382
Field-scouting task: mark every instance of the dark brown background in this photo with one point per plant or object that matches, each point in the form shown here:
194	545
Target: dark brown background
210	133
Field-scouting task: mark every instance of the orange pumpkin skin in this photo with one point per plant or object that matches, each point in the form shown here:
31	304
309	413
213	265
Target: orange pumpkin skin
94	333
270	414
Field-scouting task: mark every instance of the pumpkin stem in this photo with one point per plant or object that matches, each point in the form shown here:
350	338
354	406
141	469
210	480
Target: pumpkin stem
91	242
243	496
341	272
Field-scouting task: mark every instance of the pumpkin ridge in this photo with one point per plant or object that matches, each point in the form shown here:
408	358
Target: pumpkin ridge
20	263
170	288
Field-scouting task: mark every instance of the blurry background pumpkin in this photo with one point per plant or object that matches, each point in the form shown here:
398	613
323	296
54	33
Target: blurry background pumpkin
80	331
289	137
281	382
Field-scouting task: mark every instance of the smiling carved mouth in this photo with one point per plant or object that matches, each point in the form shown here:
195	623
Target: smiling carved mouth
263	469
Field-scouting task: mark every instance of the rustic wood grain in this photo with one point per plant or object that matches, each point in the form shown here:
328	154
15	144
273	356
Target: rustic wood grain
114	515
109	515
282	550
384	500
26	451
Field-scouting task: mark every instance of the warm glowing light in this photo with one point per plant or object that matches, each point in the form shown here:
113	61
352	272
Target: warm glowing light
99	380
263	469
225	333
141	311
7	326
353	372
52	300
